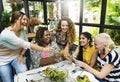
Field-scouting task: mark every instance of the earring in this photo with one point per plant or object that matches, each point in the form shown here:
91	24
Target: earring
103	51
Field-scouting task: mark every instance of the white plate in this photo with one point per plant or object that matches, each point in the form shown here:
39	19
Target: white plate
90	76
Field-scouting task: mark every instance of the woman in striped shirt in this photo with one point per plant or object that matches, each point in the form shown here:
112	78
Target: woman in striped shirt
107	59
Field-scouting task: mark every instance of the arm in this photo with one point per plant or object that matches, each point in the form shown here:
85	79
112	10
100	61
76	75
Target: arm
68	56
23	52
106	69
56	51
54	55
20	57
67	48
39	48
11	41
75	53
93	59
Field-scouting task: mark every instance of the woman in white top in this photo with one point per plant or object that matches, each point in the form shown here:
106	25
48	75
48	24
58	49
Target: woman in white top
12	41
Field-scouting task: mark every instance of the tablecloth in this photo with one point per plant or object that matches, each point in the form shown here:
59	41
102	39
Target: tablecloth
35	75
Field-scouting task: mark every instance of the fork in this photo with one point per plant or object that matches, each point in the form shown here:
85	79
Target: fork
76	70
81	72
39	72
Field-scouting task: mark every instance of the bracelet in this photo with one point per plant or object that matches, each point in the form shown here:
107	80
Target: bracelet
74	55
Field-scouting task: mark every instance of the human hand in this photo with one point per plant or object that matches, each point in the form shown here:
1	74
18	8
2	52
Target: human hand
58	55
66	55
79	63
21	59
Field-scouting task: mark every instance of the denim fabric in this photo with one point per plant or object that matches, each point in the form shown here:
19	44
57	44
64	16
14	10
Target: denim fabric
19	67
6	71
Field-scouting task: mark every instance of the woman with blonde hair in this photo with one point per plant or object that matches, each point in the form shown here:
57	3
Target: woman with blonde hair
108	60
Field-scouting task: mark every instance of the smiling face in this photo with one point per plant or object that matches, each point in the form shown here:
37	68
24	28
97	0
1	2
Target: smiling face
64	26
98	45
19	20
24	20
46	37
84	41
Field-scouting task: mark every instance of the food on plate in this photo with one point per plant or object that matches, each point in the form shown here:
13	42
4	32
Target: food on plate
82	78
54	74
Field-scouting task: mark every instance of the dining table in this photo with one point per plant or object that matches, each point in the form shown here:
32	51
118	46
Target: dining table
35	75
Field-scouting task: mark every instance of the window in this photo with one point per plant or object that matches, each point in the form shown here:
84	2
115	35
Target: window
113	12
36	10
91	11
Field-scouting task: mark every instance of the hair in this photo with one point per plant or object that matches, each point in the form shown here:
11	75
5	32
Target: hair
1	27
39	35
15	16
71	32
89	37
105	39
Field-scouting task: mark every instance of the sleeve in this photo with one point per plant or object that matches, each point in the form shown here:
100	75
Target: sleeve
35	58
55	47
12	41
53	36
24	35
115	58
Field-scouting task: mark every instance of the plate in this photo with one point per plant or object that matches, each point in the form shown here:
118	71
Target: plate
54	74
80	73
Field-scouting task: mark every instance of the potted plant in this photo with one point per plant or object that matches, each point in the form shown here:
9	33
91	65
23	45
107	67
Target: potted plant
5	19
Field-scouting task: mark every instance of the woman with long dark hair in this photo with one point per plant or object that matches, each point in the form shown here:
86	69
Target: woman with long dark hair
85	49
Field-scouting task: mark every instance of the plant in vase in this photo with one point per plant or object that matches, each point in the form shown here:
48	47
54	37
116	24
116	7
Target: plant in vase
33	22
5	19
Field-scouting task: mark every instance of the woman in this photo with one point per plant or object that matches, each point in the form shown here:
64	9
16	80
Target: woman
86	49
43	39
107	59
12	41
64	34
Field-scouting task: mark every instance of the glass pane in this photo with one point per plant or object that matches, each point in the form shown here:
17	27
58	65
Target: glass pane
6	6
74	10
70	8
113	12
93	30
115	35
53	10
91	13
53	13
11	5
36	10
77	34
